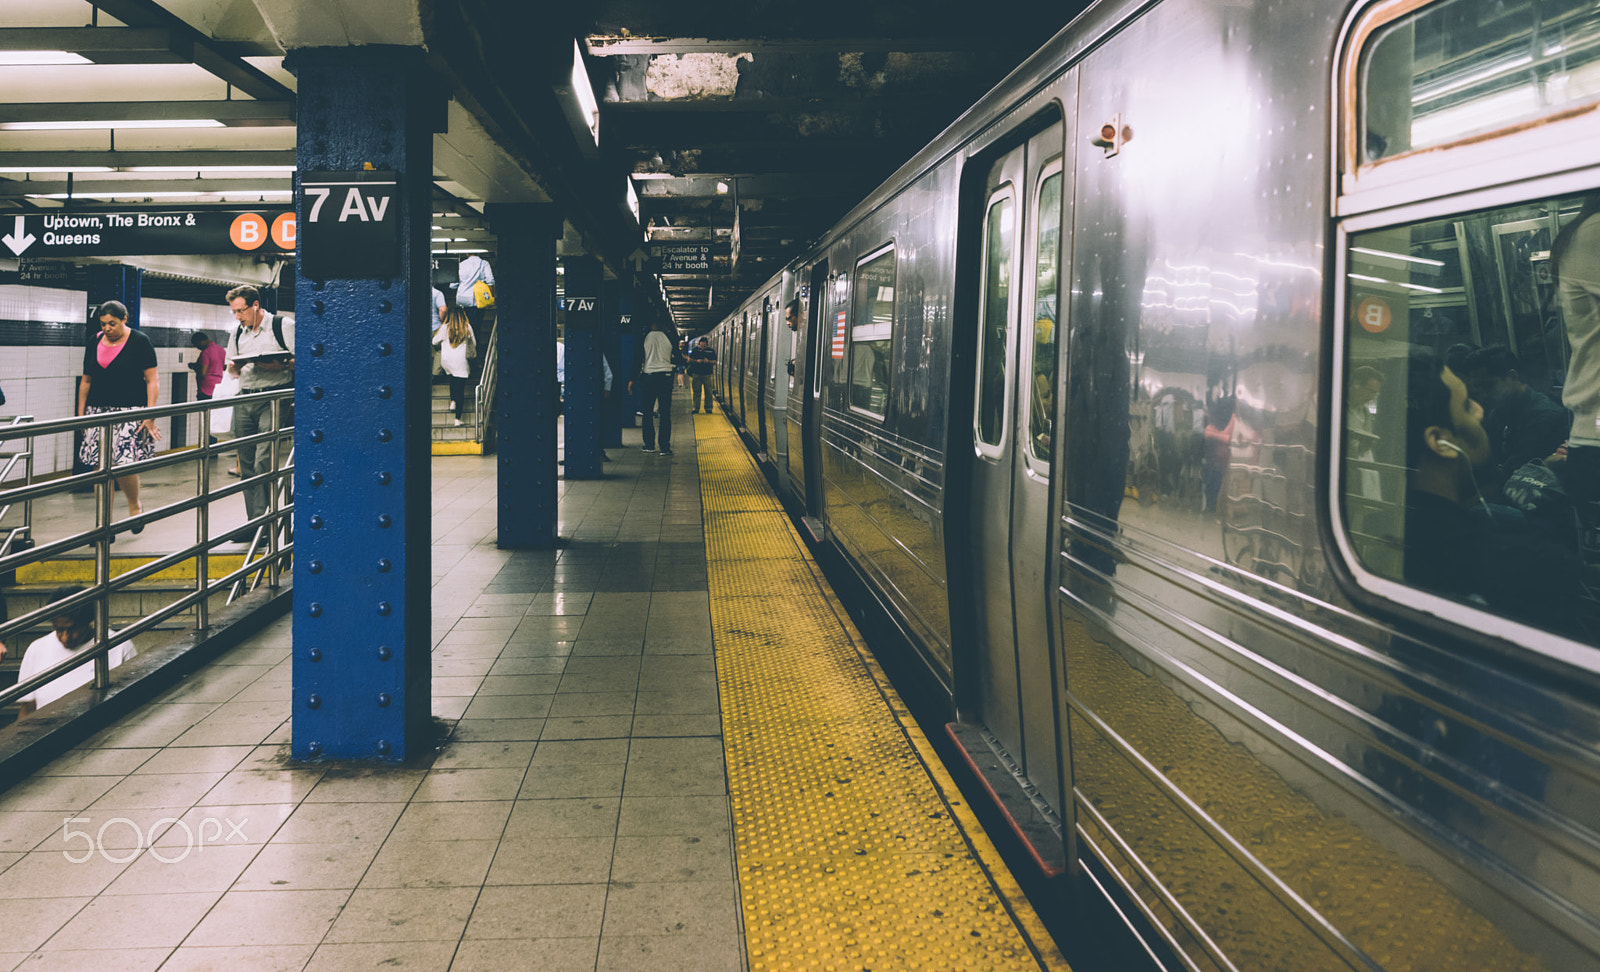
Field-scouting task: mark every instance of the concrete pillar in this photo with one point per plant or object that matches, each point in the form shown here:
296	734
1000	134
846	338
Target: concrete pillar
525	396
581	401
362	611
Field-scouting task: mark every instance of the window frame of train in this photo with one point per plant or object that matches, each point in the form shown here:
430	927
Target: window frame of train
1038	453
1502	175
866	299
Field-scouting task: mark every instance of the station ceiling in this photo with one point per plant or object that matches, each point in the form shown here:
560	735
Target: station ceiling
747	126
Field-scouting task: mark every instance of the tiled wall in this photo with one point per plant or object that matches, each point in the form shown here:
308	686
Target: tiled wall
42	380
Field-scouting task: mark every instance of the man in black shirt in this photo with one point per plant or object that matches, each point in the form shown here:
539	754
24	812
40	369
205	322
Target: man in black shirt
1519	560
1522	424
702	362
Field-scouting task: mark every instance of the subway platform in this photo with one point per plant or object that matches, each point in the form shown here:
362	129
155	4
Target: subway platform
666	748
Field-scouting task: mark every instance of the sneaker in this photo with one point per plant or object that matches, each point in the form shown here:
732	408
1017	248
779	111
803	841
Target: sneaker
457	422
648	452
666	452
452	406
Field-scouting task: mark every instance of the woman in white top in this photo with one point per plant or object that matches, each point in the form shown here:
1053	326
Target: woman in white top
456	343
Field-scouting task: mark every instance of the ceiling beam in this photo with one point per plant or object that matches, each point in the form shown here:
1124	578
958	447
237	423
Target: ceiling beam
608	45
229	68
234	114
58	161
133	187
103	45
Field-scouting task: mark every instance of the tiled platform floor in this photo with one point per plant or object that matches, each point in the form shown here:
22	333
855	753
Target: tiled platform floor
577	817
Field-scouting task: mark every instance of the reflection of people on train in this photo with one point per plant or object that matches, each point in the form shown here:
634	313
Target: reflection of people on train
1576	258
1522	424
1366	383
1218	452
1521	560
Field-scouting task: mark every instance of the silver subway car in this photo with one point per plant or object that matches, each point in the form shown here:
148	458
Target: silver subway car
1216	405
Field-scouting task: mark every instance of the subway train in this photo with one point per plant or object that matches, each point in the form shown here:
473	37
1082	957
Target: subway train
1172	404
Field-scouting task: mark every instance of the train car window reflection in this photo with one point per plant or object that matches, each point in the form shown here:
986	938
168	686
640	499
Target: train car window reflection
996	320
1471	420
870	337
1046	300
1466	67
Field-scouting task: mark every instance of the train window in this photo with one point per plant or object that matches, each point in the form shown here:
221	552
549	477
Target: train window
1465	67
1046	300
870	337
992	359
1471	417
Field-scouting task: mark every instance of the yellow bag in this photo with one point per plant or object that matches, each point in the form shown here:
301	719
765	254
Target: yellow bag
482	294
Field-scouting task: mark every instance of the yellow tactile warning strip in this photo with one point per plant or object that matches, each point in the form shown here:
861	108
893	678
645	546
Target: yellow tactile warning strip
854	849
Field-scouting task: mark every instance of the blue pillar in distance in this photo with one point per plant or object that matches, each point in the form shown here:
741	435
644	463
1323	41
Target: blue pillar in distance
581	402
362	669
525	395
113	281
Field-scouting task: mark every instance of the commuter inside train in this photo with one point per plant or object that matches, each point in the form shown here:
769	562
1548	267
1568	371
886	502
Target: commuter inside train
791	317
1575	254
1519	557
1522	424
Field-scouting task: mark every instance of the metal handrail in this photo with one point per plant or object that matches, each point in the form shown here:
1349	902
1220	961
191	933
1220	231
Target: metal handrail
483	395
269	528
26	458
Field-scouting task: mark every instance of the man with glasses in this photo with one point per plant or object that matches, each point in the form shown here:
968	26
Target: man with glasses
261	355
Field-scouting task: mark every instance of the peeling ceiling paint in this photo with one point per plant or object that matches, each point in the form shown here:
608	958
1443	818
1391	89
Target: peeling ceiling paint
673	76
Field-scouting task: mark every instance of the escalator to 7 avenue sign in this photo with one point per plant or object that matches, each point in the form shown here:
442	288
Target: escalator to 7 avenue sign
138	232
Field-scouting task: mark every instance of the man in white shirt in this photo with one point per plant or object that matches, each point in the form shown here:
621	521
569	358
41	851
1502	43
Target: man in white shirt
655	380
259	333
74	635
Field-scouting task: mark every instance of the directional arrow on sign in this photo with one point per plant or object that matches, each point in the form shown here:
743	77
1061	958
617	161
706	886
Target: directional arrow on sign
18	239
637	258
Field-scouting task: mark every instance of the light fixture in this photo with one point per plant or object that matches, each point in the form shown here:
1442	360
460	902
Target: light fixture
24	58
210	168
66	126
55	168
578	104
458	251
722	188
272	195
1397	256
633	199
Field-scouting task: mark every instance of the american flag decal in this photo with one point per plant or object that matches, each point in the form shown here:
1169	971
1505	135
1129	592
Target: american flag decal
838	337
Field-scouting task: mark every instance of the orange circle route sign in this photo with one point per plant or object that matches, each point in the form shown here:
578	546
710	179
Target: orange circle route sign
248	231
1374	315
283	230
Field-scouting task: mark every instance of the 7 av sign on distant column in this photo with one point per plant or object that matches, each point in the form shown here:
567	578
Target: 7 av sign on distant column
350	225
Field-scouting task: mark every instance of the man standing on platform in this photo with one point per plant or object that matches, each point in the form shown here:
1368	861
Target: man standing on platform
702	362
655	380
270	349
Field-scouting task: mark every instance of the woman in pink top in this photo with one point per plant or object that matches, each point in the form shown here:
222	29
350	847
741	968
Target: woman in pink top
119	372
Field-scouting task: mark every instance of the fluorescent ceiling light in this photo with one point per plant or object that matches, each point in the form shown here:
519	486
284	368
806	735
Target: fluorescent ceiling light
209	168
55	168
1397	256
582	91
226	196
20	58
459	251
66	126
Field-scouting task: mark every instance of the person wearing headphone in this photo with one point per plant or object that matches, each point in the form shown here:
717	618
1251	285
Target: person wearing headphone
1517	554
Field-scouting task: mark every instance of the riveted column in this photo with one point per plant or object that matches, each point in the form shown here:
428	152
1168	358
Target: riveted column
581	401
113	281
362	672
615	308
525	396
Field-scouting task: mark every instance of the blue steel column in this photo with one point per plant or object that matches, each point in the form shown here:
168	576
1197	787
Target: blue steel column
362	610
525	395
113	281
614	306
582	398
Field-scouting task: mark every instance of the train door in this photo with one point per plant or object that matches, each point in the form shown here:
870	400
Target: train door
811	396
1013	413
782	379
744	365
762	340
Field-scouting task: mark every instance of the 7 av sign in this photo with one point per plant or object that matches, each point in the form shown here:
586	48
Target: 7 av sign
352	225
